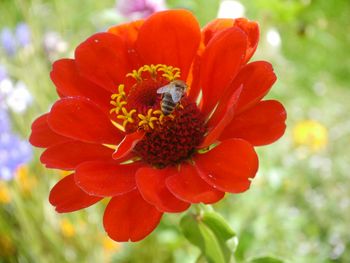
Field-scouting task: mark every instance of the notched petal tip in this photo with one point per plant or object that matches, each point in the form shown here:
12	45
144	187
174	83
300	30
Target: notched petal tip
229	166
152	186
81	119
129	217
67	197
260	125
188	186
42	135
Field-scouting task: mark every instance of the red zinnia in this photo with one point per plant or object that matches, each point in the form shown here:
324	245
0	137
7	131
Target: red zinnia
110	129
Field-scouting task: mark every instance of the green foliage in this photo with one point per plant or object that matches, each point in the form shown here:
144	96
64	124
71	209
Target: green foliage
266	260
297	207
210	233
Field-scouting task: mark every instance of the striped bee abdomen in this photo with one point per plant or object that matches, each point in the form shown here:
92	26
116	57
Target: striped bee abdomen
167	104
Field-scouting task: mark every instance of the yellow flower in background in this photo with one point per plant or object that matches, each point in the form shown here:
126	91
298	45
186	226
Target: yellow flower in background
310	133
25	181
5	196
110	246
7	247
66	227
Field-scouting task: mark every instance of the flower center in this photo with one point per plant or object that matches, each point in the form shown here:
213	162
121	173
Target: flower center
175	141
155	101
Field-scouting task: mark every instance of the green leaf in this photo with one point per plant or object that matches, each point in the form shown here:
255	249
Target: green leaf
210	233
266	260
215	251
189	226
218	224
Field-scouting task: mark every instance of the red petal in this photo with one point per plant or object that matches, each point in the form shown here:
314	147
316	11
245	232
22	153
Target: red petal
151	184
67	197
257	79
102	178
81	119
260	125
214	27
193	80
68	155
229	166
252	83
220	63
170	37
251	28
128	31
103	59
127	144
42	135
69	83
129	217
189	187
222	117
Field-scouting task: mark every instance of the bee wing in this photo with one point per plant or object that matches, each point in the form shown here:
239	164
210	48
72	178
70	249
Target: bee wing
164	89
176	95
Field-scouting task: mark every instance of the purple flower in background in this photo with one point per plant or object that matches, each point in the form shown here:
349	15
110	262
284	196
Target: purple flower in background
23	35
4	122
8	41
12	41
139	8
3	77
3	73
13	151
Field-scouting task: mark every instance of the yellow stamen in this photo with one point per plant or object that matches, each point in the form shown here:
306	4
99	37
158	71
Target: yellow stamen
116	124
162	116
121	92
110	146
147	119
127	116
169	72
118	100
135	74
152	69
119	103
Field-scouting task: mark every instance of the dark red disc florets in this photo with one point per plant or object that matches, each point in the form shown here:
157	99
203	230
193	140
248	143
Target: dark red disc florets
143	95
175	141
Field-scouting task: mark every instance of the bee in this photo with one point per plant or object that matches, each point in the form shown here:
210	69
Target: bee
172	94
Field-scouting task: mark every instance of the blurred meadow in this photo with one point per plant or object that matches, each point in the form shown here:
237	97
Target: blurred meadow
298	207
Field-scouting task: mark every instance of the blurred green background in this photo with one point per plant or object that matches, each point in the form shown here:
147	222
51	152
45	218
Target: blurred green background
298	207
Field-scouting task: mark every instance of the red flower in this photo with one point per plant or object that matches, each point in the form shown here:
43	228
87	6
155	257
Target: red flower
112	128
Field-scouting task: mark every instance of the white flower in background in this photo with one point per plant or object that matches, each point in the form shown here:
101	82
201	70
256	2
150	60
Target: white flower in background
273	38
19	98
14	96
54	44
6	87
231	9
